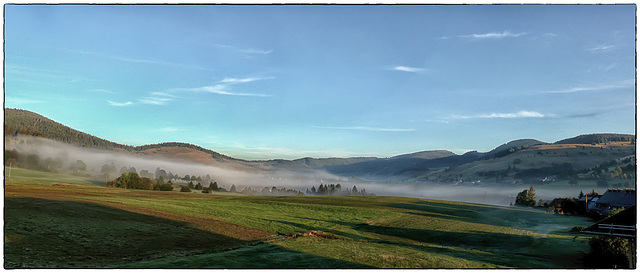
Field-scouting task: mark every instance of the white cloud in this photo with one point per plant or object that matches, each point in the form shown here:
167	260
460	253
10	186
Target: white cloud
243	80
155	100
119	104
521	114
223	87
365	128
245	50
601	48
493	35
408	69
622	84
220	89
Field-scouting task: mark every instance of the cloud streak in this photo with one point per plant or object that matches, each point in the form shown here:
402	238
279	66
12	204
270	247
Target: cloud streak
622	84
601	48
408	69
119	104
493	35
220	89
223	87
250	51
521	114
366	128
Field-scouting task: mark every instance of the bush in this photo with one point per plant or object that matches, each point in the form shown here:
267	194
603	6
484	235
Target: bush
185	189
163	187
607	252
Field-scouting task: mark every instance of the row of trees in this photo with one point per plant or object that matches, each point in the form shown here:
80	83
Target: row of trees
335	189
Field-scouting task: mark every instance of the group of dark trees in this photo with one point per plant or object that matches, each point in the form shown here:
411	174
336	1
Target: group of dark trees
132	180
335	189
626	169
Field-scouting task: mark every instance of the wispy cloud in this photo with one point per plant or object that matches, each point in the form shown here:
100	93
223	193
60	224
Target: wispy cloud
250	51
622	84
220	89
521	114
119	104
365	128
493	35
408	69
20	101
243	80
135	60
223	87
601	48
155	100
156	62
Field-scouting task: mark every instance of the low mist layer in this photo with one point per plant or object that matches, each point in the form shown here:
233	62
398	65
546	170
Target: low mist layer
65	156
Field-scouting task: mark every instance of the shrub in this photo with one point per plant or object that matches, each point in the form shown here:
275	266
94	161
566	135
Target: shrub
163	187
185	189
607	252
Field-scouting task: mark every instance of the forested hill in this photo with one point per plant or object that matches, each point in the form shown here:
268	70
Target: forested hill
597	139
24	122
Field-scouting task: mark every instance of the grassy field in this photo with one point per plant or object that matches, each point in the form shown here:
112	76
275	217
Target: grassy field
61	221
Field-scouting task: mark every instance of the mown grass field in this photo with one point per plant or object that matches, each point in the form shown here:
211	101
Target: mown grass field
61	221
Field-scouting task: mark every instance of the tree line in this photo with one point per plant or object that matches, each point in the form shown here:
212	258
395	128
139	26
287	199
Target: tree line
335	189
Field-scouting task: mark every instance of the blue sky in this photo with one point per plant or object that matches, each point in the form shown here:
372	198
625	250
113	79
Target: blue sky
263	82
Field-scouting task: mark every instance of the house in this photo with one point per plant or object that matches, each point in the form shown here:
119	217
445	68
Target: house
615	198
591	199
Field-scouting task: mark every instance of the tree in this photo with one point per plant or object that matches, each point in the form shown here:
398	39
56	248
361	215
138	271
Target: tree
198	186
233	188
131	180
526	198
313	190
190	185
160	173
213	186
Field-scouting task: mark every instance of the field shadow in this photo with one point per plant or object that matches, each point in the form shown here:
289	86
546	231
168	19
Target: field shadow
44	233
518	218
508	250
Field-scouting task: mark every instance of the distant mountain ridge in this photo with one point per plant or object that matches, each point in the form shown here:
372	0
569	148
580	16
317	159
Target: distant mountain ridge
405	166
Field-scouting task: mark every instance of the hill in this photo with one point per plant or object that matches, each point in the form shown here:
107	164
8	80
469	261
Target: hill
23	122
597	139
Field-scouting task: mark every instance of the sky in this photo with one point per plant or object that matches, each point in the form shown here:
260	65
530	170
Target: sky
267	81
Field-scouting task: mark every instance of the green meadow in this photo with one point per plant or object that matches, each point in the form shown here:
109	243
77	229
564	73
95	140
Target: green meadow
64	221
